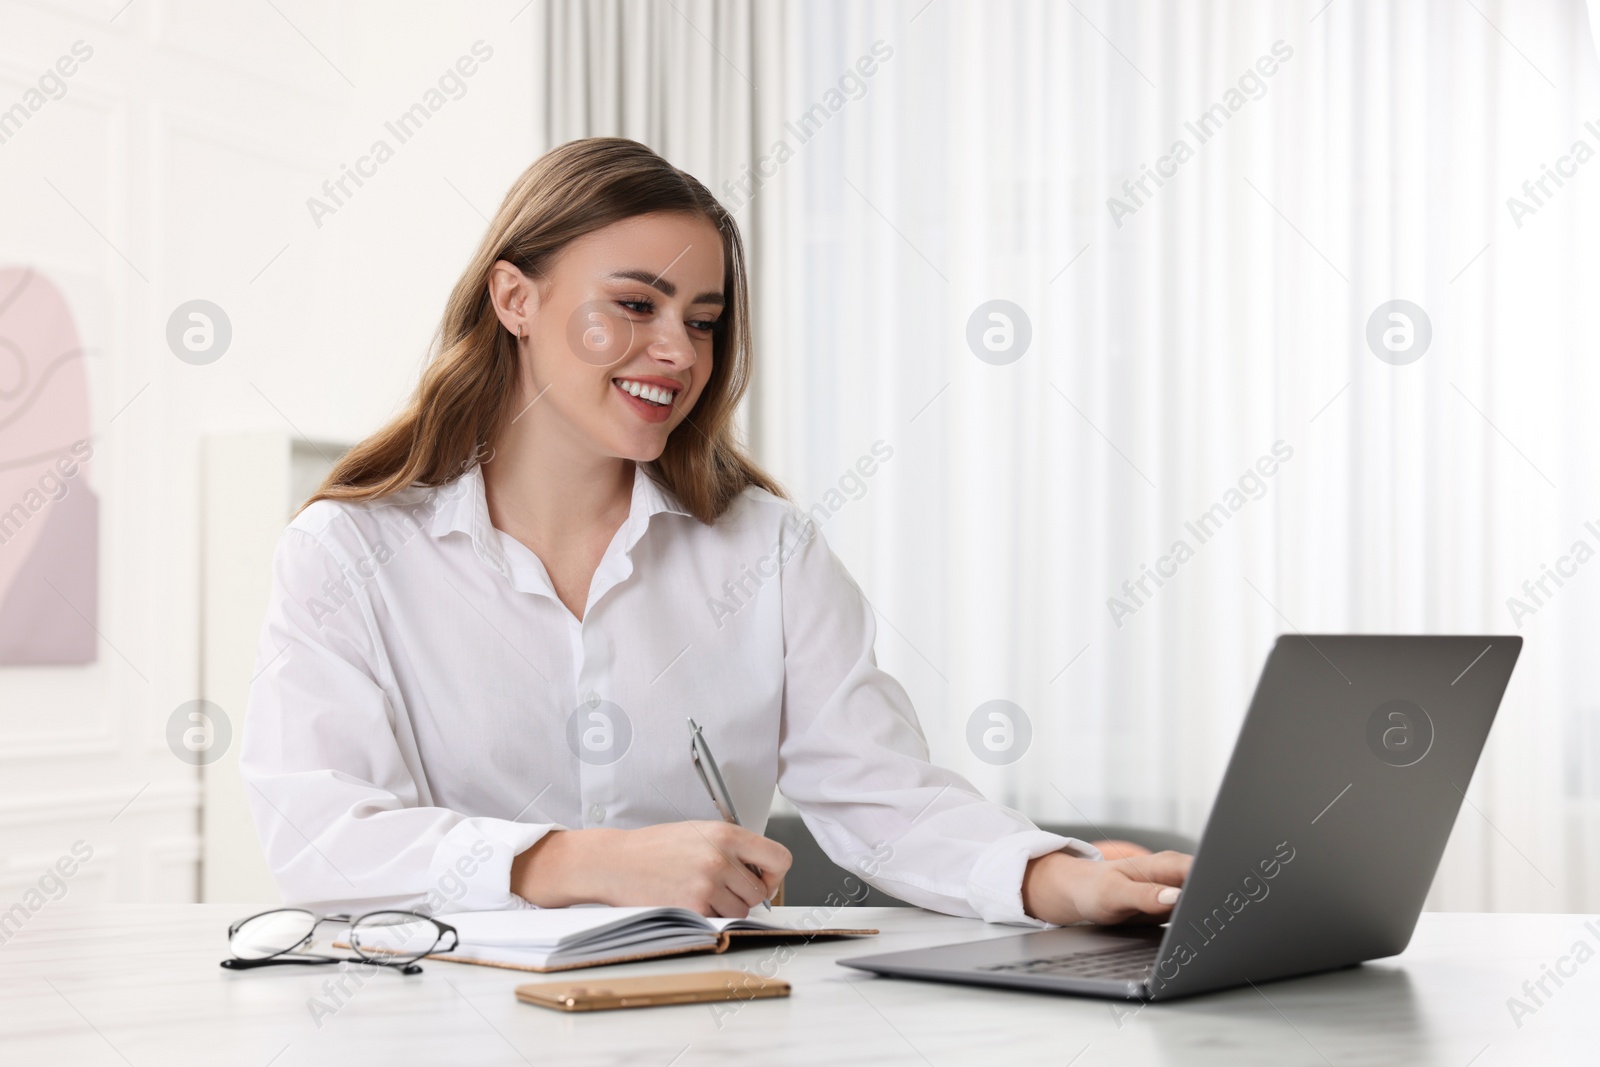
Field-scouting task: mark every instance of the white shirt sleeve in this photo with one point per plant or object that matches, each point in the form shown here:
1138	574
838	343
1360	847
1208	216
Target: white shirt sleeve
853	759
332	772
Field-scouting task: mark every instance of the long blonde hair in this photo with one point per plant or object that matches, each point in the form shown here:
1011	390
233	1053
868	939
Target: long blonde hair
469	386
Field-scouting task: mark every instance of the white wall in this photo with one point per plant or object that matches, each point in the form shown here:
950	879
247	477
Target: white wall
184	152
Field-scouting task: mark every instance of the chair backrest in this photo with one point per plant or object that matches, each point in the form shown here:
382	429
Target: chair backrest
814	880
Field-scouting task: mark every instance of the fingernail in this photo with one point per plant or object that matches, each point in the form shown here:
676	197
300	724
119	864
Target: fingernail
1167	896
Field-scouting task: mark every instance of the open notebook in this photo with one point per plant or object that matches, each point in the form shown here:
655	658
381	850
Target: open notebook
560	939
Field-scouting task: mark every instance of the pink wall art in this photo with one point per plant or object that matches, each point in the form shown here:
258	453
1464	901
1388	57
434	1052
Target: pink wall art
49	515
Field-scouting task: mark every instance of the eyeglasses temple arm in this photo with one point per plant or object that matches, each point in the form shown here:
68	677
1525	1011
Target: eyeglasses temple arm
235	964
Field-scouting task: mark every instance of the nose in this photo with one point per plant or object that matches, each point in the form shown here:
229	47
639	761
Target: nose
670	344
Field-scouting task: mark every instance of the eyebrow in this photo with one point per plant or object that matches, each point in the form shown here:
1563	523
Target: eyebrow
655	281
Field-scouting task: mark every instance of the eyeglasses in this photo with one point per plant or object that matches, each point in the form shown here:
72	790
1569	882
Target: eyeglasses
384	938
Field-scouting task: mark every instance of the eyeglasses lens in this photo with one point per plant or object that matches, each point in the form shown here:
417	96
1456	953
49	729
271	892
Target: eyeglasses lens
270	934
393	936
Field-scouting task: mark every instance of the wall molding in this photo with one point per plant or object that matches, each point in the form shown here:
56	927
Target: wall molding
99	805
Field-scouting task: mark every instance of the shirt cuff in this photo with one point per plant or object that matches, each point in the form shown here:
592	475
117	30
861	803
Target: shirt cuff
471	869
995	887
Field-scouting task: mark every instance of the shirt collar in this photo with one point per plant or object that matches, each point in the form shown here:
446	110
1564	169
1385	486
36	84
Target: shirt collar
462	506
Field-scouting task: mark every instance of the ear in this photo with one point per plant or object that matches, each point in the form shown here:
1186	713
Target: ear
515	297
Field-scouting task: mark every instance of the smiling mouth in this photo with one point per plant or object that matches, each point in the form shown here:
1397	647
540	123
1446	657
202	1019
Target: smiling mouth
650	394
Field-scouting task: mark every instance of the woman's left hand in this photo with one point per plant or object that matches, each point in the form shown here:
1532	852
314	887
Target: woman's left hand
1062	889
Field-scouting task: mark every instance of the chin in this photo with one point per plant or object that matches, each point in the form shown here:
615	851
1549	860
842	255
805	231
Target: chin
641	451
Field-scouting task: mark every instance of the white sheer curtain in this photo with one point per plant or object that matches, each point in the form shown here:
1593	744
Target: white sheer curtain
1174	341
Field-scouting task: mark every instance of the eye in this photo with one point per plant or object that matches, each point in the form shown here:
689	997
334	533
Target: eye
704	325
638	307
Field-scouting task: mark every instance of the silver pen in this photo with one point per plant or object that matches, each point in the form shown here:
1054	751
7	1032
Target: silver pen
705	765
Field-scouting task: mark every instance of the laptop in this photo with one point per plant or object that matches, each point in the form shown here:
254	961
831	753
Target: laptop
1345	780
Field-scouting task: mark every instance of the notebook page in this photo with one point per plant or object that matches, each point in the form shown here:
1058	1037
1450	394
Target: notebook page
543	958
551	929
755	922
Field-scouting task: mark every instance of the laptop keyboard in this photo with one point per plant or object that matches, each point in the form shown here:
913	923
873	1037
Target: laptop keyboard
1113	964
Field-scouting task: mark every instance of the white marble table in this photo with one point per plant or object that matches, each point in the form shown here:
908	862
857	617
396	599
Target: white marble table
140	985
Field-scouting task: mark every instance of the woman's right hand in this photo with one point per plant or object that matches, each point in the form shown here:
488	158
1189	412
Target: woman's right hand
702	866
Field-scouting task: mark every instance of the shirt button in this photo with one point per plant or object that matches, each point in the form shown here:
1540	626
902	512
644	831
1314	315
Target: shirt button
597	813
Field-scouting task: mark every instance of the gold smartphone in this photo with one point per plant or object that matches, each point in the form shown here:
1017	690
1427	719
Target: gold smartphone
648	991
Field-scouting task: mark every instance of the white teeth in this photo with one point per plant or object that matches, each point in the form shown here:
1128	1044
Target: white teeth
645	392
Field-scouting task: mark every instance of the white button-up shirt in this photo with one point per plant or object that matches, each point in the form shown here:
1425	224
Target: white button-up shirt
425	707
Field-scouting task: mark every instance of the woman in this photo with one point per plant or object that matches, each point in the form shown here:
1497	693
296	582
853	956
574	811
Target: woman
490	624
